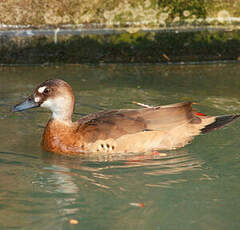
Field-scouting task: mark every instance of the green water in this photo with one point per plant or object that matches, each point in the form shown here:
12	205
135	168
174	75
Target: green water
196	187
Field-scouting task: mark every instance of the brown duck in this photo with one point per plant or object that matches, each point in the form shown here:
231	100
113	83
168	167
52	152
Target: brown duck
116	131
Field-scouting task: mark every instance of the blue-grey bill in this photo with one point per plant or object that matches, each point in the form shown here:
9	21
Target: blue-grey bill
27	104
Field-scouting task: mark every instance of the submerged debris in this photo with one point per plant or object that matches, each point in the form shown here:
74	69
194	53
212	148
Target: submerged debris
73	221
140	205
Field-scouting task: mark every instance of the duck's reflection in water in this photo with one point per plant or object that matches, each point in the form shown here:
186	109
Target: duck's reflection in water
99	169
80	184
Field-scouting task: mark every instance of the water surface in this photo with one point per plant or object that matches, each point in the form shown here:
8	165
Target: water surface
196	187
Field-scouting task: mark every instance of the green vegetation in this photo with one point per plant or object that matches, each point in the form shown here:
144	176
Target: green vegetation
147	47
129	15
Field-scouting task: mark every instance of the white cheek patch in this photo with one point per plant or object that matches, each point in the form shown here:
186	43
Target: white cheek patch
41	89
48	104
37	99
59	107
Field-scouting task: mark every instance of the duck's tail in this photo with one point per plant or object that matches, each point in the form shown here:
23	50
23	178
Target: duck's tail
220	122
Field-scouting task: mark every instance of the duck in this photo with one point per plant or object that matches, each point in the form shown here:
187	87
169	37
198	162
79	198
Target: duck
144	129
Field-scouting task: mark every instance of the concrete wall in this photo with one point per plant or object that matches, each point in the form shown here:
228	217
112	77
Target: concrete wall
112	13
129	31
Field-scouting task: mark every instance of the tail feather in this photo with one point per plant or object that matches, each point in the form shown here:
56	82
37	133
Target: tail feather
220	122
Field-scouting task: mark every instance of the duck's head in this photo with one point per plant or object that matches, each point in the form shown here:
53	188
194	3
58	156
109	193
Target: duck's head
56	95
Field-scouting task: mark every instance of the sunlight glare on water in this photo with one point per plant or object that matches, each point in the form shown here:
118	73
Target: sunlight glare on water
196	187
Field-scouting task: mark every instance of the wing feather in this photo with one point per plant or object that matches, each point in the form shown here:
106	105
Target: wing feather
116	123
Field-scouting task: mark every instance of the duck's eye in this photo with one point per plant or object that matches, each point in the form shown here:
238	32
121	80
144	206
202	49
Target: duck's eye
46	91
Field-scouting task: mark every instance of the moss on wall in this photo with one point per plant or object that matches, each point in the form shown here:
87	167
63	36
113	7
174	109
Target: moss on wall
118	46
140	47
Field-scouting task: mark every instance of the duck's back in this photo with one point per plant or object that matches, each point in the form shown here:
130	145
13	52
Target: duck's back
138	130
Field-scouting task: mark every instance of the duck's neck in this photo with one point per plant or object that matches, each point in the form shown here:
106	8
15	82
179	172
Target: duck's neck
65	122
62	116
58	136
63	109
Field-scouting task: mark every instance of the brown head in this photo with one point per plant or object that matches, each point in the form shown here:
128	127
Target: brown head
56	95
